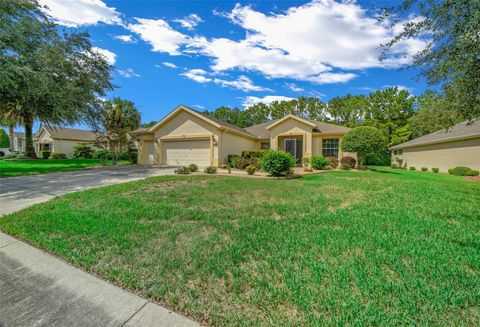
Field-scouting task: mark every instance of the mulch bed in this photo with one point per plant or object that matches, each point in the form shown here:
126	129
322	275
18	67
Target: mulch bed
473	178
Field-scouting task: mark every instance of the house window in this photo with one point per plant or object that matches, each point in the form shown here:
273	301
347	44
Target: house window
330	147
265	145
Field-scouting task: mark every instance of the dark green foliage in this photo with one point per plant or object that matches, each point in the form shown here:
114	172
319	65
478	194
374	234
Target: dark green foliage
10	156
102	154
380	158
240	162
424	169
347	160
412	168
249	154
251	169
45	154
210	170
345	166
277	163
364	141
23	155
4	139
182	170
58	155
394	166
463	171
132	154
435	170
83	150
319	162
193	167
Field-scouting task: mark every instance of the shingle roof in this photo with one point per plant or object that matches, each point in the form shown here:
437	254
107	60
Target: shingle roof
261	130
222	123
459	131
57	132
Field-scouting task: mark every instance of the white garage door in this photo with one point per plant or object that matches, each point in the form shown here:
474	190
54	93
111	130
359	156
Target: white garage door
184	153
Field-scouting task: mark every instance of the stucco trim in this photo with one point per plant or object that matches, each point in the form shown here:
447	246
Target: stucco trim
185	137
290	116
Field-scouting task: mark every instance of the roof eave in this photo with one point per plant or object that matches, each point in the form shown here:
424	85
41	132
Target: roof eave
451	139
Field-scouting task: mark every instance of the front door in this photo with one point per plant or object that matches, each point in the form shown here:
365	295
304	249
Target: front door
295	148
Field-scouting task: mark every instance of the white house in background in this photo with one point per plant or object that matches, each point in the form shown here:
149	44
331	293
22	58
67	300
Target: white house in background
61	139
18	142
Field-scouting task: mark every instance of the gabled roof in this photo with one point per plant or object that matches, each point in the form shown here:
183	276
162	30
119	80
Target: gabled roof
463	130
290	116
57	132
262	131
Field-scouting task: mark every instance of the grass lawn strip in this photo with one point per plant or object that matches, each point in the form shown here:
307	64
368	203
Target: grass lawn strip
389	247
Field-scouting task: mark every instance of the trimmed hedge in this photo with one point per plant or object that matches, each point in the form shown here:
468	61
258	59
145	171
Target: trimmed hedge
183	170
463	171
193	167
45	154
83	150
435	170
251	170
319	162
277	163
58	155
249	154
210	170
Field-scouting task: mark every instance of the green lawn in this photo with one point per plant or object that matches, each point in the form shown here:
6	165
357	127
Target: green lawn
30	167
340	248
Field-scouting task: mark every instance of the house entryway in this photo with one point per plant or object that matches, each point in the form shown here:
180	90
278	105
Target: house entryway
295	148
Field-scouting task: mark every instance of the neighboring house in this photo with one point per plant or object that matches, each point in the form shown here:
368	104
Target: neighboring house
187	136
18	142
459	146
60	139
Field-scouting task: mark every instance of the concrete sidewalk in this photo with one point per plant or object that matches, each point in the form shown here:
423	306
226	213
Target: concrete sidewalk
38	289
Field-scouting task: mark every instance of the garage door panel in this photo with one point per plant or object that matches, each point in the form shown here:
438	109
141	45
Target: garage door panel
183	153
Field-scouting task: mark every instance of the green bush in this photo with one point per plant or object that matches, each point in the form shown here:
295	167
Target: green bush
364	141
230	159
10	156
435	170
183	170
193	167
4	139
463	171
251	169
347	160
210	170
412	168
23	155
379	158
58	155
249	154
394	166
102	154
83	150
345	166
277	163
333	162
45	154
132	155
424	169
319	162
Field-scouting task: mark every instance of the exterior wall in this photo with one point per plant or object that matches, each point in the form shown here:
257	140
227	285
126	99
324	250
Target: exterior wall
292	127
66	146
444	155
317	145
235	144
18	144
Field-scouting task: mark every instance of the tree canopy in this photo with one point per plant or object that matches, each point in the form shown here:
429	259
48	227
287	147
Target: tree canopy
364	140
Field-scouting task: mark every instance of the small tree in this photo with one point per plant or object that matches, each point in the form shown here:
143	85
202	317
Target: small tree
83	150
4	139
119	118
364	141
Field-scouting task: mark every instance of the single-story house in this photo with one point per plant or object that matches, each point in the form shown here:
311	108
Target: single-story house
443	149
18	142
187	136
60	139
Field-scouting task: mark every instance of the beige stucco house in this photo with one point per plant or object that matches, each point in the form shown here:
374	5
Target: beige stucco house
444	149
60	139
18	142
187	136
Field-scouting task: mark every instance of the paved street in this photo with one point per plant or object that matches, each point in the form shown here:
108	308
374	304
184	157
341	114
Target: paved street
38	289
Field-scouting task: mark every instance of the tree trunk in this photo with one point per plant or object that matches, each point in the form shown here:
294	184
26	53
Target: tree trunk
114	156
11	135
29	147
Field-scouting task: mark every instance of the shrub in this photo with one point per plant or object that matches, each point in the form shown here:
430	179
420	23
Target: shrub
364	140
424	169
435	170
132	155
306	162
102	154
240	162
210	170
249	154
345	166
463	171
333	162
412	168
251	169
10	156
183	170
45	154
23	155
193	167
379	158
58	155
319	162
347	160
83	150
394	166
231	158
277	163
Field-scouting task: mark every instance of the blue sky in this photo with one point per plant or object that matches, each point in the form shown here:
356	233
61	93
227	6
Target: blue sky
210	53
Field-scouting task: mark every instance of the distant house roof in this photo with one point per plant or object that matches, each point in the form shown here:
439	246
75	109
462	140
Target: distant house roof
463	130
57	132
261	130
19	135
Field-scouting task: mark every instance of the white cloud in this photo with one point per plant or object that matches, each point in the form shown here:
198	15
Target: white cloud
197	75
189	22
199	106
242	83
127	38
109	56
399	87
169	64
293	87
251	100
73	13
159	34
128	73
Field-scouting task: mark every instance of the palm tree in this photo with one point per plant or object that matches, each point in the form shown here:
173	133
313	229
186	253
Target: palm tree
119	118
10	119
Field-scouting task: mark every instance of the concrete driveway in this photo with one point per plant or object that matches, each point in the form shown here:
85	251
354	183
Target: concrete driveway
20	192
38	289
